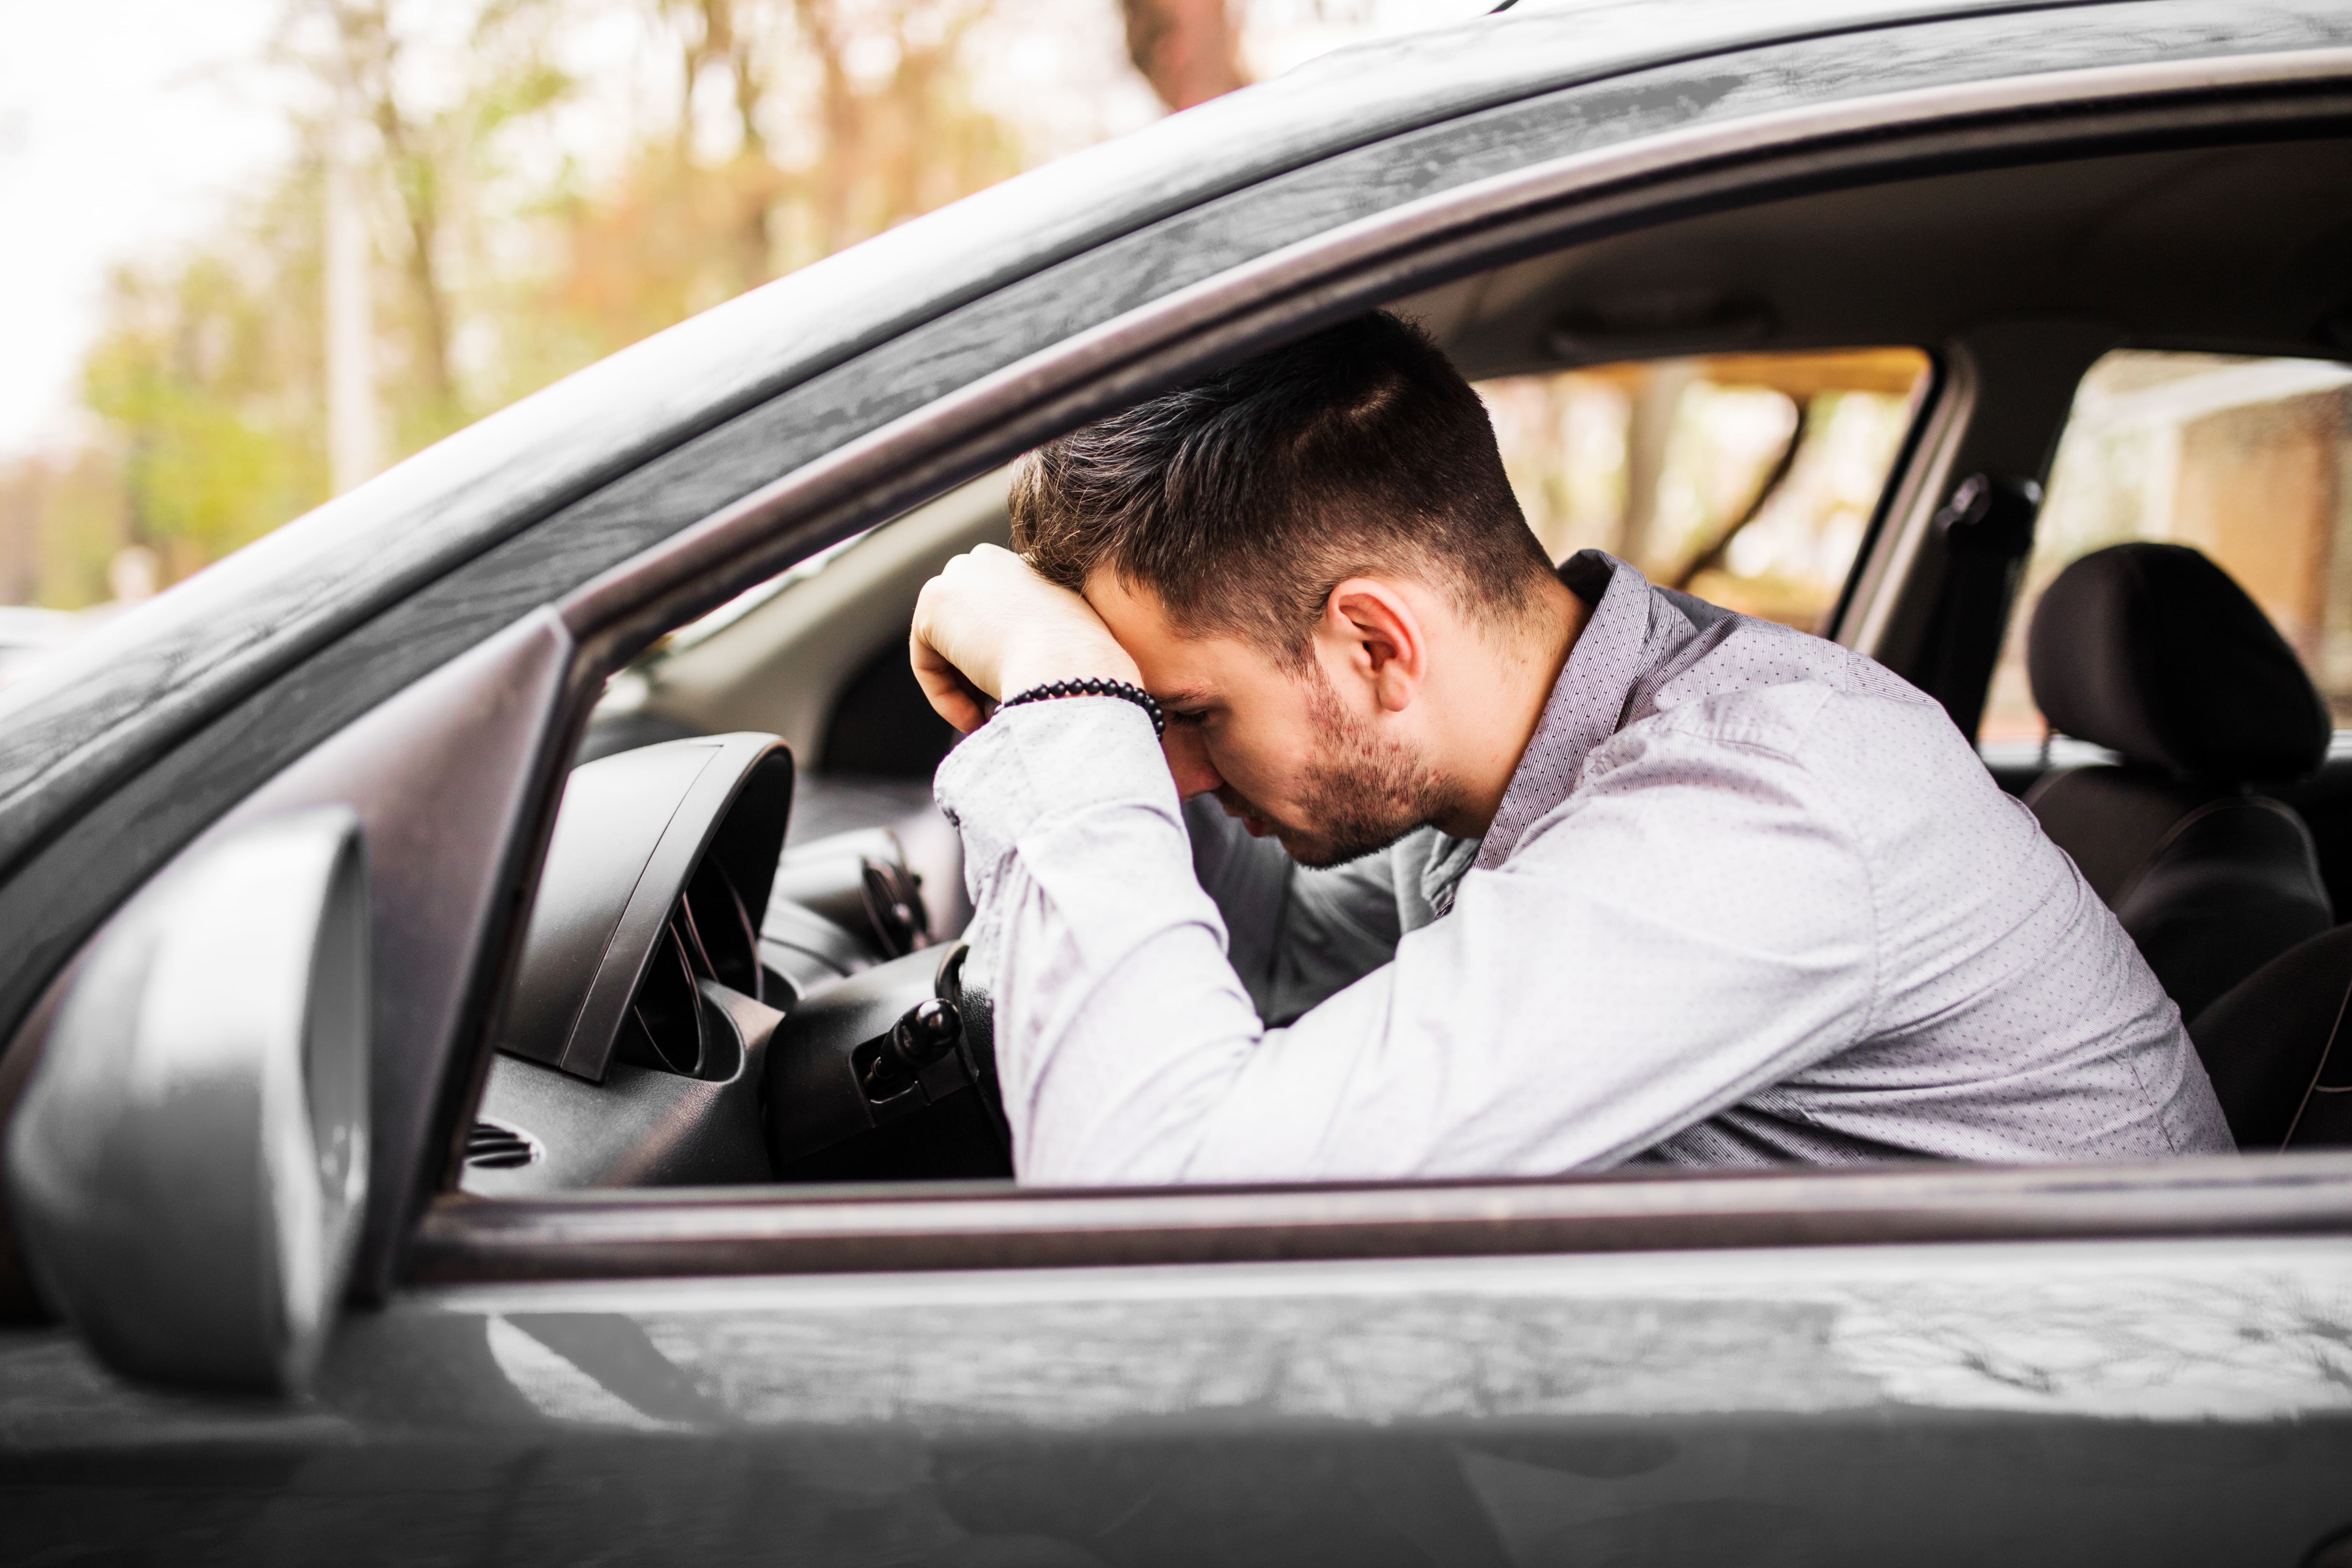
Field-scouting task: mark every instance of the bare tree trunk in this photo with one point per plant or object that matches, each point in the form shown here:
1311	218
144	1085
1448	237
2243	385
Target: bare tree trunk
755	244
354	430
369	59
841	119
420	200
1189	50
721	41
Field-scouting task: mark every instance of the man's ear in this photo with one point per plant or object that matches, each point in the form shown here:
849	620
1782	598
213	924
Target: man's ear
1378	638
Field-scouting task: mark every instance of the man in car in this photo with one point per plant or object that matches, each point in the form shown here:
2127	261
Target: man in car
1518	869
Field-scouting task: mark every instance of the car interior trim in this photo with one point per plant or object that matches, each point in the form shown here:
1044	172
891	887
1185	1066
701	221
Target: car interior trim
1891	547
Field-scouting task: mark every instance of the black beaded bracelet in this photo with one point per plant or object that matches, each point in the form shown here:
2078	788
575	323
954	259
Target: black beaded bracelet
1094	685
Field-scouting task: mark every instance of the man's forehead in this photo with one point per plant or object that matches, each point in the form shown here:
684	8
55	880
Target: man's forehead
1133	611
1107	590
1179	667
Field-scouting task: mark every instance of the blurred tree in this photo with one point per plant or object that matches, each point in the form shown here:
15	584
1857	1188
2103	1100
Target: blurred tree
61	522
362	67
802	127
208	373
210	387
782	130
437	127
898	132
726	40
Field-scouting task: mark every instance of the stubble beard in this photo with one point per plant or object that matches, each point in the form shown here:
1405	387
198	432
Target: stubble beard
1362	793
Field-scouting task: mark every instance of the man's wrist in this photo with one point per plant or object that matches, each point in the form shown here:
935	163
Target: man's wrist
1029	673
1094	686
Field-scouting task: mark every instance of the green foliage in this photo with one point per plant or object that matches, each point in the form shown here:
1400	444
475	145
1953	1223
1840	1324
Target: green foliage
493	275
210	386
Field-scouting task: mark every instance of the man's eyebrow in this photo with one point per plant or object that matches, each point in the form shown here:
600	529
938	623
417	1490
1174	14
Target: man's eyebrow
1184	697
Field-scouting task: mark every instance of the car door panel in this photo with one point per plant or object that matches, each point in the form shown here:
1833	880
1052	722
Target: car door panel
442	776
2157	1402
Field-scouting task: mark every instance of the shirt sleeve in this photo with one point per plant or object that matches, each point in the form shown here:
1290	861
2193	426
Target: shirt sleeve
1636	965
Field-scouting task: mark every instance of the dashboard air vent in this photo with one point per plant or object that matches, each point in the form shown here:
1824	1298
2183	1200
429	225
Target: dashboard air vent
495	1146
709	937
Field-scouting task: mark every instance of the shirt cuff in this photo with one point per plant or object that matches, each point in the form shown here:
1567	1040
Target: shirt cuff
1048	761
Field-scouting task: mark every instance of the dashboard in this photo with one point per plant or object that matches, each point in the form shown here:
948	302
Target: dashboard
696	1005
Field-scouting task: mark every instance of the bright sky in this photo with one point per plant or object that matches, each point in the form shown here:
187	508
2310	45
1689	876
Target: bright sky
123	123
126	126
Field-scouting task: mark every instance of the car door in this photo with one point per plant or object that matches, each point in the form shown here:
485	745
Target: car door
1941	1364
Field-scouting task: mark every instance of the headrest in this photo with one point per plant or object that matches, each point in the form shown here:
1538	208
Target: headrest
2153	651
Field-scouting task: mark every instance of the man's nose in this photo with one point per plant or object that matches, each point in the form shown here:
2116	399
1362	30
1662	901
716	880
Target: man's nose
1187	761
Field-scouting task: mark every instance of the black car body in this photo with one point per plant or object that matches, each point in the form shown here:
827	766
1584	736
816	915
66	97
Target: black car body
2148	1363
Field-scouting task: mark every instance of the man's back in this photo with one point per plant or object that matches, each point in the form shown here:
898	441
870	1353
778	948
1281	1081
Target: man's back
2009	1017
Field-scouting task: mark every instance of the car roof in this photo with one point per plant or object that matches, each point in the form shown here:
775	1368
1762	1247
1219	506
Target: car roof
93	713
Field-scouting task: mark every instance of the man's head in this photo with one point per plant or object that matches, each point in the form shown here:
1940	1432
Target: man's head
1313	556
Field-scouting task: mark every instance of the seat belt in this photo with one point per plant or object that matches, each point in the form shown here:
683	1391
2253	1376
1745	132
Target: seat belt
1988	530
2319	1071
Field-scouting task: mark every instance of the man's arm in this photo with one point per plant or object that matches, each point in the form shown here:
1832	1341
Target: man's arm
1296	936
1583	1003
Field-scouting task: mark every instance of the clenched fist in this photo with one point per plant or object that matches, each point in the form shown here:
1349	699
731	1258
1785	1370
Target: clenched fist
988	626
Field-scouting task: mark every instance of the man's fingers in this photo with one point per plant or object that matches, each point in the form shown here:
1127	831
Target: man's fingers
987	619
952	697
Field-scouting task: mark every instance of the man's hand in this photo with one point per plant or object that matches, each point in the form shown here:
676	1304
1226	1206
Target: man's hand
988	626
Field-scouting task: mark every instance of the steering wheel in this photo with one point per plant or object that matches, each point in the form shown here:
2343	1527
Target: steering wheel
889	1074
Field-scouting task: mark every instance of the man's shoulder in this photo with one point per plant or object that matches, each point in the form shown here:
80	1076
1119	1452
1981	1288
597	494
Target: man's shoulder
1758	685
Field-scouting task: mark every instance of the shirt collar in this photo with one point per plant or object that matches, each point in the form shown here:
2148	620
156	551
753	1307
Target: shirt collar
1629	632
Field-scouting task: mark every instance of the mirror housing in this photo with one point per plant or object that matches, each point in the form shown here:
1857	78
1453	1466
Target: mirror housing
189	1164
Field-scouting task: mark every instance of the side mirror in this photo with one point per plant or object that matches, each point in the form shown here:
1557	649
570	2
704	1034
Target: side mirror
189	1162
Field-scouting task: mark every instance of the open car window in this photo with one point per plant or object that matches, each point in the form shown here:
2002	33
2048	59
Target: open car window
1748	479
2245	458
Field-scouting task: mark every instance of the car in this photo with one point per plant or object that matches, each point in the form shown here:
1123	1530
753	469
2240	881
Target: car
488	1074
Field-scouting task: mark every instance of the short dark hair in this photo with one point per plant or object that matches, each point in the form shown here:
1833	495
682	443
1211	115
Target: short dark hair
1244	498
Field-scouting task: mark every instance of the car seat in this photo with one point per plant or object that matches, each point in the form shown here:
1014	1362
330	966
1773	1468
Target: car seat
2154	652
2274	1046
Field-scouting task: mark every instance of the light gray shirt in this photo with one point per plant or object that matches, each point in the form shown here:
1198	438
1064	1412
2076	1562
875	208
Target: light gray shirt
1750	899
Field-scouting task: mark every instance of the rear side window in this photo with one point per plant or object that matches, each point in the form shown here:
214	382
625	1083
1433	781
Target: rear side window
2249	460
1748	479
